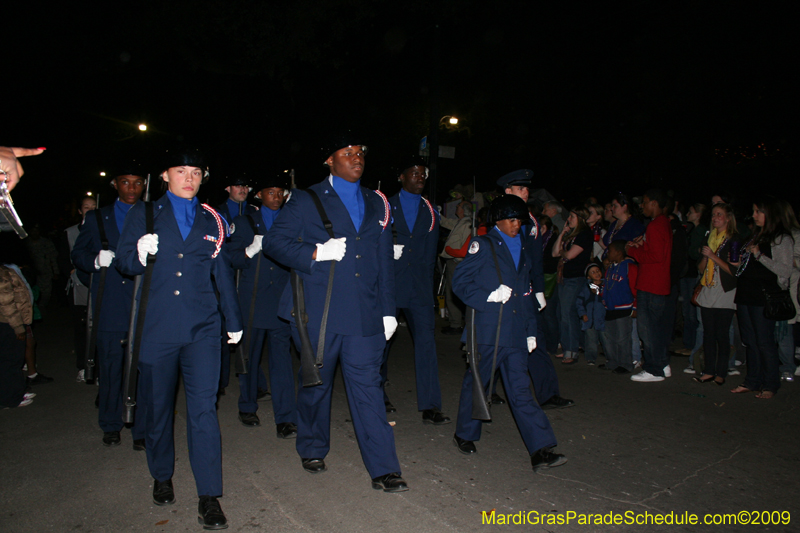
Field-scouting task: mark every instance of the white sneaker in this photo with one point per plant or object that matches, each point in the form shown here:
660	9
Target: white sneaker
80	378
738	363
797	372
637	364
733	372
23	403
787	376
646	377
667	372
29	396
689	370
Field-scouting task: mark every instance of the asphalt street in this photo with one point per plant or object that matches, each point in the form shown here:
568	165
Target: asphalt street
646	449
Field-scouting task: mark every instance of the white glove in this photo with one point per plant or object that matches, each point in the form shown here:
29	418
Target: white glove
235	337
398	251
254	248
500	294
389	326
148	244
333	250
542	302
104	259
531	344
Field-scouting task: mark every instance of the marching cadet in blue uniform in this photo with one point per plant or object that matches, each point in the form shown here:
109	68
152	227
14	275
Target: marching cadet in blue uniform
182	326
501	254
112	322
360	316
269	279
416	226
236	205
540	366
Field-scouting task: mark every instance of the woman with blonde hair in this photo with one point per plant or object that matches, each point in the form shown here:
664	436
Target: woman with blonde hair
573	247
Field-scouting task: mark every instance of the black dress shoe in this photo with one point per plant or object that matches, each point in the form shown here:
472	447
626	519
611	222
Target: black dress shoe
497	399
163	494
557	402
435	417
210	514
249	419
545	458
389	407
138	445
390	483
287	430
467	447
313	465
111	438
263	394
621	370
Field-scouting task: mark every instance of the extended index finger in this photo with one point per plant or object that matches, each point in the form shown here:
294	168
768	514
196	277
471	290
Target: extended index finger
24	152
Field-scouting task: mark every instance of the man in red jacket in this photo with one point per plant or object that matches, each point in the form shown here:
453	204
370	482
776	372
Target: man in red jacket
653	253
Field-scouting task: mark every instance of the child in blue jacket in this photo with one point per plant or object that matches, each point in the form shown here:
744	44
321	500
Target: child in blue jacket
592	311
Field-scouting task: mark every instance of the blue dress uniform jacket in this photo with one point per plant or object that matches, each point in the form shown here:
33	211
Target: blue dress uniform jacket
413	275
118	289
113	321
363	287
476	277
362	294
225	212
182	333
413	272
540	365
474	280
273	278
183	307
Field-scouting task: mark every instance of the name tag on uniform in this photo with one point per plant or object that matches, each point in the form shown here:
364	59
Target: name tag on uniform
210	238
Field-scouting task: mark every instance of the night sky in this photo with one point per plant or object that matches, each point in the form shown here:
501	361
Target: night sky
594	98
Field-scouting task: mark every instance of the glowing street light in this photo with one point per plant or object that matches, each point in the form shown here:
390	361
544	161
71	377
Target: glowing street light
102	174
453	120
142	127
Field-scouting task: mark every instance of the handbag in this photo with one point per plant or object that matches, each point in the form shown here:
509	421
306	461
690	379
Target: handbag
696	293
779	305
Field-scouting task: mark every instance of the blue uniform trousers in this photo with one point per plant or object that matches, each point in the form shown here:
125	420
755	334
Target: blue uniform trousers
110	358
541	369
159	366
280	374
422	325
361	359
532	422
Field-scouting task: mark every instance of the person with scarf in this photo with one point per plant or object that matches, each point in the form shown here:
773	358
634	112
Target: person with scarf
716	297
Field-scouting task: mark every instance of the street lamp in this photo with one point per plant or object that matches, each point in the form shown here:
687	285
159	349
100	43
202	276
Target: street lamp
142	127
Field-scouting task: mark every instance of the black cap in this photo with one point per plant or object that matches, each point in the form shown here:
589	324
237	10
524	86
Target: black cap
507	206
184	156
338	140
129	167
269	181
412	161
518	177
236	179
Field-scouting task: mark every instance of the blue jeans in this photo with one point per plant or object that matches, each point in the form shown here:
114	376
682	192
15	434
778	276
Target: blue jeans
653	331
593	338
570	321
758	334
550	317
617	343
786	350
690	321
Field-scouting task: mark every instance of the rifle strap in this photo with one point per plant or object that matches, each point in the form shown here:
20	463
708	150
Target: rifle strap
499	318
324	323
252	312
90	360
145	295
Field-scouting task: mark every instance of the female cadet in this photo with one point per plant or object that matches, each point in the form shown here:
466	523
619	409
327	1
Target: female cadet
499	254
182	326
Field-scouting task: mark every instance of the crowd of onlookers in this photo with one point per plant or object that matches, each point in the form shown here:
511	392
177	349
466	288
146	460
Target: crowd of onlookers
642	279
